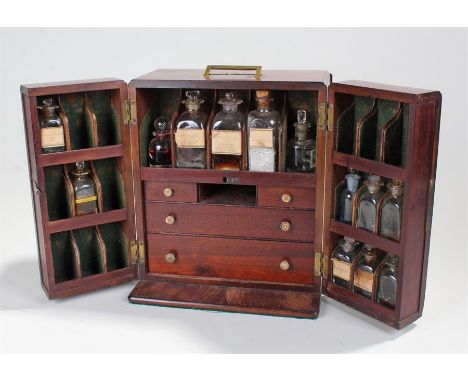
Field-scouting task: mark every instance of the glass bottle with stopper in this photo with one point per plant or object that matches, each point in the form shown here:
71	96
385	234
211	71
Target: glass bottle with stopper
190	134
301	151
342	259
226	135
390	215
159	150
85	196
51	127
365	270
263	125
347	195
388	276
368	204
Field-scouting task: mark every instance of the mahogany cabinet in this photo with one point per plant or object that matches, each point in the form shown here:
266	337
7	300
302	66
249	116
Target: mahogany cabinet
233	241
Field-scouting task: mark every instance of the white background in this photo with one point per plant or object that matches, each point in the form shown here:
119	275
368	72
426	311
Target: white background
103	321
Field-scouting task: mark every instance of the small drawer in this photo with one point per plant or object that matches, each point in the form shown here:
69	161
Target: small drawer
234	221
288	197
171	191
239	259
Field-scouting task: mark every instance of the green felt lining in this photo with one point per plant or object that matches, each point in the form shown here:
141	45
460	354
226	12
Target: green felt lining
116	245
56	192
91	256
107	117
62	256
110	177
73	105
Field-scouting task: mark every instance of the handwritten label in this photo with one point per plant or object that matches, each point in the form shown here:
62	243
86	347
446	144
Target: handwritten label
52	137
190	138
226	142
261	138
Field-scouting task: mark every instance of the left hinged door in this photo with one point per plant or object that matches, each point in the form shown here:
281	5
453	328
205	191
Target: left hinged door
78	138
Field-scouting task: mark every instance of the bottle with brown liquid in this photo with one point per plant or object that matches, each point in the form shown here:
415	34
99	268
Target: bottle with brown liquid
365	271
85	190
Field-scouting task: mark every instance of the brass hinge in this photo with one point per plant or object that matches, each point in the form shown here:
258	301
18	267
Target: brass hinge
137	252
318	264
325	117
129	111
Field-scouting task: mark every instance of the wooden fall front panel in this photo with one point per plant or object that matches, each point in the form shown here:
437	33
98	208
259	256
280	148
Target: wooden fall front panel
241	241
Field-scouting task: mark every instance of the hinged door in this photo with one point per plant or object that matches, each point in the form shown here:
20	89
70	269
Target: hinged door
82	252
389	132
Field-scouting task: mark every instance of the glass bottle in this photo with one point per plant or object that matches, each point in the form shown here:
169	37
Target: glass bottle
342	258
388	276
159	149
226	135
367	206
300	152
365	270
390	221
190	133
52	135
346	200
84	189
263	125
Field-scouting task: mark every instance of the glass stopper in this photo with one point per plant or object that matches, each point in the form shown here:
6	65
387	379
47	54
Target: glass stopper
161	124
192	95
301	116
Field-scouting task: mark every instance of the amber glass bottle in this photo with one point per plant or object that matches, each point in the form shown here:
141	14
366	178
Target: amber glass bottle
85	190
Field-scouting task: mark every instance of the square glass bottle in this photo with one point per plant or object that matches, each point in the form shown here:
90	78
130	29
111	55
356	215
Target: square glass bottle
52	134
368	203
391	211
85	196
388	280
364	271
346	198
342	259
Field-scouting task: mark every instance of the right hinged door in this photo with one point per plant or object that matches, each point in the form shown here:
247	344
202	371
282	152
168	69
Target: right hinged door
380	165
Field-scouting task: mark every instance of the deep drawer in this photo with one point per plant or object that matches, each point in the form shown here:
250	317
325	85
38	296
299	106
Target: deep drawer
234	221
287	197
171	191
255	260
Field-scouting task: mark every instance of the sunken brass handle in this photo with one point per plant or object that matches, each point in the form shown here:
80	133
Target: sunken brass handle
170	258
285	226
258	69
168	192
286	198
284	265
170	219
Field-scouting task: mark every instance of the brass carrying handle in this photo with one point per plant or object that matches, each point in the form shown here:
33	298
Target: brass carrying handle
258	69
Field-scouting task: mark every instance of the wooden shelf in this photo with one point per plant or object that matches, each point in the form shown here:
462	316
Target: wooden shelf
366	237
94	153
369	166
87	220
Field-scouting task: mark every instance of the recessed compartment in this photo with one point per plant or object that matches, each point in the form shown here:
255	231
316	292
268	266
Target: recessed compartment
227	194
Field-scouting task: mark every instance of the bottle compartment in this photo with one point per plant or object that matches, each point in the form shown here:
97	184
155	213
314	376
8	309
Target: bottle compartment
372	128
89	251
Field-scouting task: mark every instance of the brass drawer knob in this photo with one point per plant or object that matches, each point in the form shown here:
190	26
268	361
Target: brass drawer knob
168	192
170	219
285	226
286	198
284	265
170	258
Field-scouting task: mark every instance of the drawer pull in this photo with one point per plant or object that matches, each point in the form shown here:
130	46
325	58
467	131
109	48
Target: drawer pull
168	192
285	226
170	219
170	258
286	198
284	265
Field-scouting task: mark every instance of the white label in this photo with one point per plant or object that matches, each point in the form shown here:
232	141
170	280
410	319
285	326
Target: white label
226	142
52	137
341	269
190	138
261	138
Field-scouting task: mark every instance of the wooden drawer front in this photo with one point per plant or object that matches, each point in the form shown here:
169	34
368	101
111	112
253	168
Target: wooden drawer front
249	222
231	258
288	197
171	191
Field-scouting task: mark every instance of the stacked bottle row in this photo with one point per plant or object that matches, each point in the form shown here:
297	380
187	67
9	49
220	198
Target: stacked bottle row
368	206
365	270
226	137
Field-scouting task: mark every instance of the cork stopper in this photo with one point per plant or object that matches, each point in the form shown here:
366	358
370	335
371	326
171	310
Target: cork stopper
396	188
373	183
193	101
370	253
301	126
348	244
48	107
263	98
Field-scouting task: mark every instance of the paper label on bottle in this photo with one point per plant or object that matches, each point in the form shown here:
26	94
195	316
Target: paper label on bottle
190	138
226	142
341	269
364	280
261	138
52	137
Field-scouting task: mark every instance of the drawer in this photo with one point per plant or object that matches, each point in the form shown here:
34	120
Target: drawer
286	197
239	259
171	191
234	221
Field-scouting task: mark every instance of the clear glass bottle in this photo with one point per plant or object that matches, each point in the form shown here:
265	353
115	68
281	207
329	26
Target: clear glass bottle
367	206
159	148
226	135
263	125
301	152
365	270
342	258
190	134
390	214
85	190
52	134
388	276
346	200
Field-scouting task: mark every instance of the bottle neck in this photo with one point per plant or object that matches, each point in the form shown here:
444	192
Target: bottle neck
229	108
